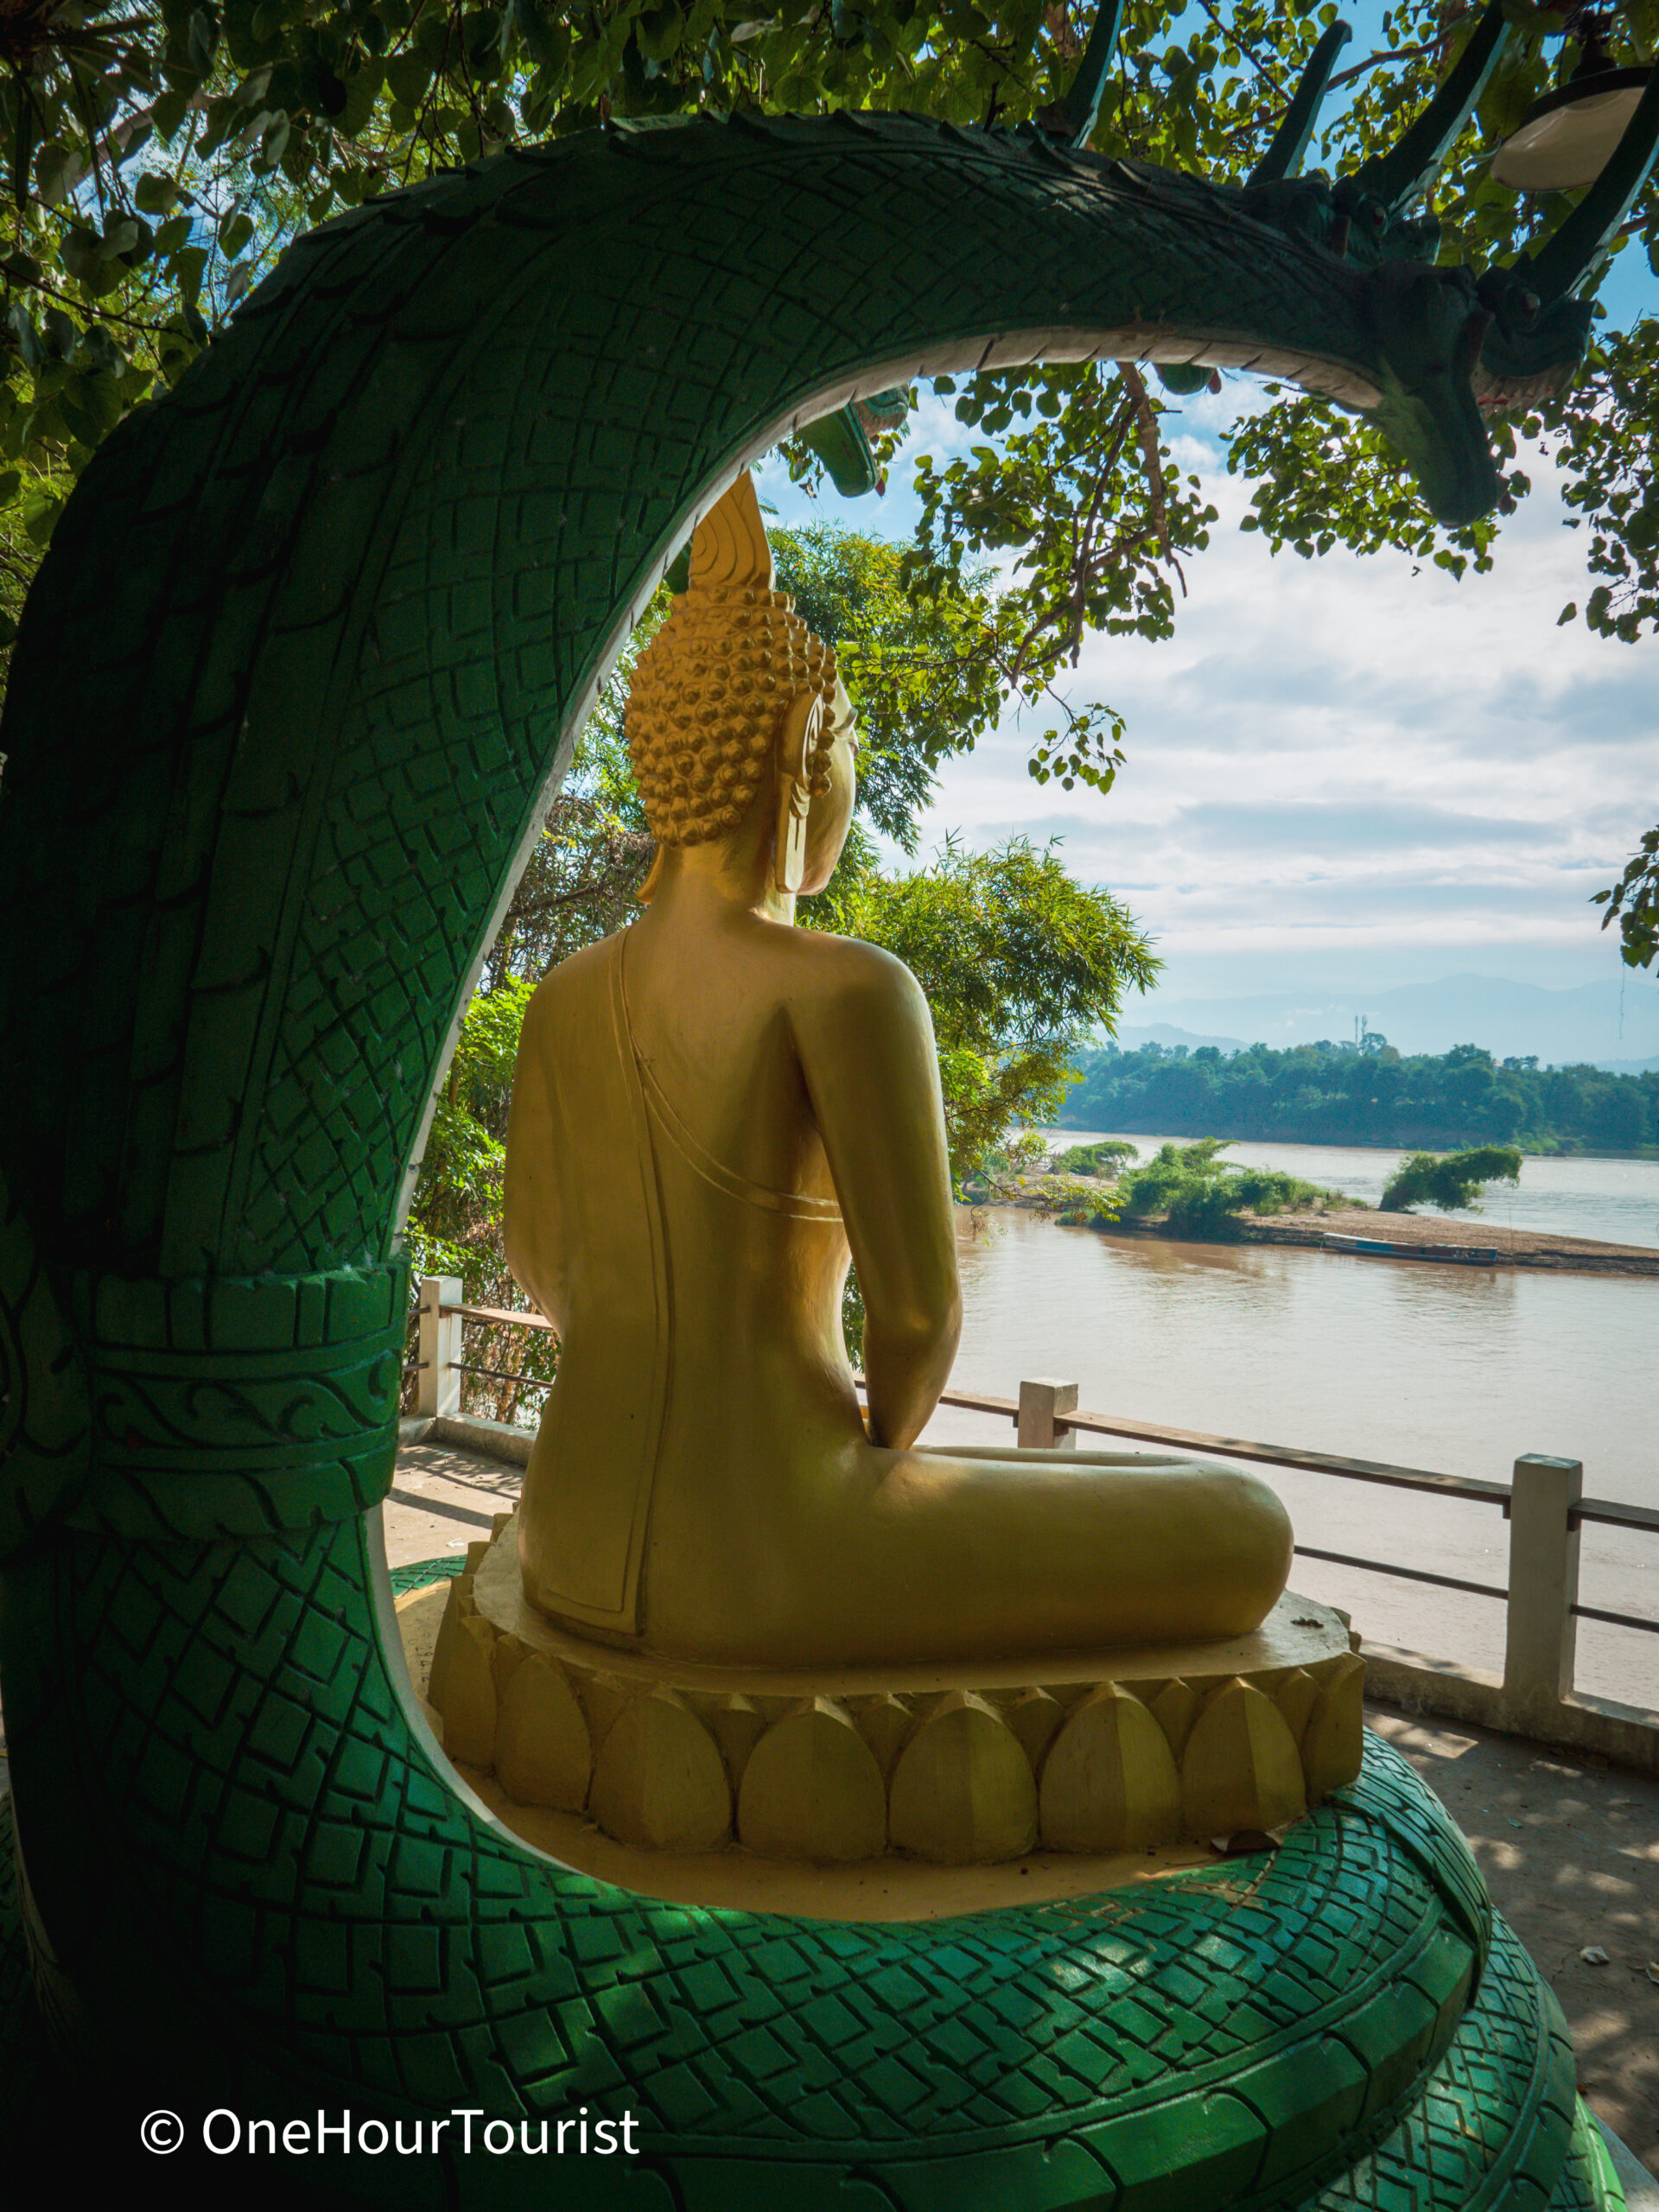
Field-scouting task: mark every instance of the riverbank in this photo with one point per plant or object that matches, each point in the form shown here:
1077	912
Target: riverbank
1310	1229
1604	1202
1510	1247
1530	1145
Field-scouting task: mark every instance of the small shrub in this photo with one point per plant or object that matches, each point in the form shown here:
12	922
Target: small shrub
1201	1195
1106	1160
1450	1181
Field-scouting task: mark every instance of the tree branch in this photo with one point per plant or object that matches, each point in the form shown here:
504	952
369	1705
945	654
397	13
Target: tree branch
1257	62
1152	453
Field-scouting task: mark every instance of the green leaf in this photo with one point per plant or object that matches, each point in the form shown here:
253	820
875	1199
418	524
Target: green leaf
659	32
362	91
156	195
254	30
54	165
41	507
409	74
327	93
203	39
25	130
186	269
30	344
92	405
99	346
61	332
432	33
80	253
273	145
169	111
547	40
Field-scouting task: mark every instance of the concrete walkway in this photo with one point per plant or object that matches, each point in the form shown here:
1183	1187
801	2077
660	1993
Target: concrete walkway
1570	1849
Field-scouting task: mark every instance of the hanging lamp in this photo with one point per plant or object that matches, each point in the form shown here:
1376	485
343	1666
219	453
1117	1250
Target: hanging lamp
1569	134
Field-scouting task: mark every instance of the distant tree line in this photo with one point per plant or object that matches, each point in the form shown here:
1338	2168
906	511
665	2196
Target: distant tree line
1366	1094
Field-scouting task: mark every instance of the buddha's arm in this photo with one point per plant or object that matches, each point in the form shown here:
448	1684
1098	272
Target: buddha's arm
866	1042
531	1193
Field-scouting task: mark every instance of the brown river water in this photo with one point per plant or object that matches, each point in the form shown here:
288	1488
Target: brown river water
1456	1368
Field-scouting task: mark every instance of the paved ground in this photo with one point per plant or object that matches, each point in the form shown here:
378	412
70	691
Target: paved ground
1570	1848
443	1499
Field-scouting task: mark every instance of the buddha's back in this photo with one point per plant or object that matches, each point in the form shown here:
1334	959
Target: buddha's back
671	1210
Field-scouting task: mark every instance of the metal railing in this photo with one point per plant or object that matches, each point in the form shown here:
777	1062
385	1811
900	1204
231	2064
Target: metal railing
1544	1506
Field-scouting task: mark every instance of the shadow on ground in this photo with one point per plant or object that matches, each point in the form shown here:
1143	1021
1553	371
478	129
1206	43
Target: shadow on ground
1570	1851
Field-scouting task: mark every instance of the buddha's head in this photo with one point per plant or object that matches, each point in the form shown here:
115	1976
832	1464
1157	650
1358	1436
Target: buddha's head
736	705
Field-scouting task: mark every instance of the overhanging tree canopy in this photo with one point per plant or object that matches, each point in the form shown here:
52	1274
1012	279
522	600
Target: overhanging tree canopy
157	160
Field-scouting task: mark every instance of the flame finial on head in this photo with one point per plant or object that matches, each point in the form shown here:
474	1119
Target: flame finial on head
729	548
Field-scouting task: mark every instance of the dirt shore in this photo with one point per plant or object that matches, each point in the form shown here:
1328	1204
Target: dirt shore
1516	1247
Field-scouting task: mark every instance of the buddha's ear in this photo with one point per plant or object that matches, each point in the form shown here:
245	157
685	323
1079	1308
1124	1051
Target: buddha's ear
800	738
795	789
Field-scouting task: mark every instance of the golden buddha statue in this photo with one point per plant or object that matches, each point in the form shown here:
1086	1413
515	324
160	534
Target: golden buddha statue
710	1108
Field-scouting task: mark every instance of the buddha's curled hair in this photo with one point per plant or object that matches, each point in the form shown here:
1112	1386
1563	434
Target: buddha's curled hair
715	686
708	704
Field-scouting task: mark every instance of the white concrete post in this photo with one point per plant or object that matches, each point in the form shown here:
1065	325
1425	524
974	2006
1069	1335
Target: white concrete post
1041	1402
437	1384
1543	1588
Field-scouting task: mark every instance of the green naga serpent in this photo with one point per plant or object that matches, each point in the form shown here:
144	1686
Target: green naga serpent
309	650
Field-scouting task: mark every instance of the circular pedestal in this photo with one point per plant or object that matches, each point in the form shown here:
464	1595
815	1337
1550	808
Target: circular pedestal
1097	1755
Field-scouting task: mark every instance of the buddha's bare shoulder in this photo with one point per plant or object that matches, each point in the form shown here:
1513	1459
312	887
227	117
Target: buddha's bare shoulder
819	977
575	983
581	970
817	961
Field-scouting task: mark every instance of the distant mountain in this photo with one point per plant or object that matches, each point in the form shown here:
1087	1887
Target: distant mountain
1616	1021
1163	1033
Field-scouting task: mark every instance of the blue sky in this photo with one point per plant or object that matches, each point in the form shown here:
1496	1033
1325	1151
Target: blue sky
1341	773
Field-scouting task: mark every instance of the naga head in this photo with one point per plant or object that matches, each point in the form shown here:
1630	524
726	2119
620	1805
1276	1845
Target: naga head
1449	344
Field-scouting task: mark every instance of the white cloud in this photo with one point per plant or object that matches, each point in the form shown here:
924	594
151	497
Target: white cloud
1344	770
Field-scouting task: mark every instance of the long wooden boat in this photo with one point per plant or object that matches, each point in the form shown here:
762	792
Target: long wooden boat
1468	1255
